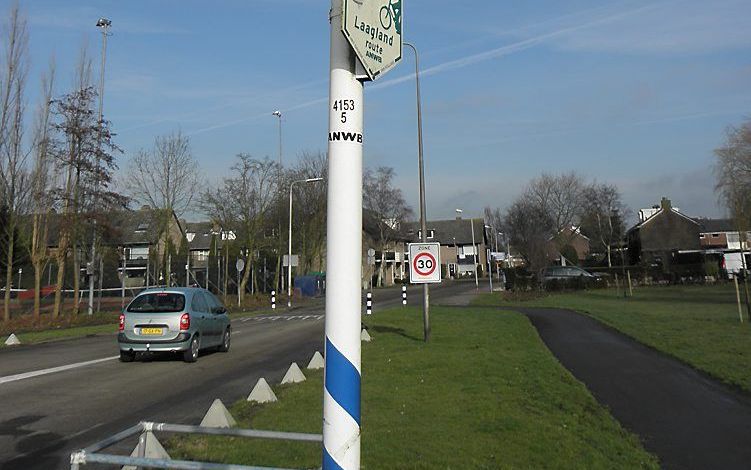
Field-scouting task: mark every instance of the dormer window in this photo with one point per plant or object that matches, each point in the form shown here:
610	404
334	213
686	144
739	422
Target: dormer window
190	236
142	228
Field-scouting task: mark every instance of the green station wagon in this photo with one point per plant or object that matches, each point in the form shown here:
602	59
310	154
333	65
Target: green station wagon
181	320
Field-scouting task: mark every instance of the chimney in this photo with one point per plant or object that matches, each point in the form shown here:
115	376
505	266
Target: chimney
665	204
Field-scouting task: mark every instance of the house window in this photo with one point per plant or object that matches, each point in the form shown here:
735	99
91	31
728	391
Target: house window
139	253
715	235
702	236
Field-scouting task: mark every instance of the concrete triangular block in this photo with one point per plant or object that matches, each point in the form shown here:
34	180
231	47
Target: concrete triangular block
12	340
218	416
365	336
154	450
293	375
316	362
262	393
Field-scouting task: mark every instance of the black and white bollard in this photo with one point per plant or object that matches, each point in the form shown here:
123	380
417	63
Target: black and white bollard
369	304
404	295
273	300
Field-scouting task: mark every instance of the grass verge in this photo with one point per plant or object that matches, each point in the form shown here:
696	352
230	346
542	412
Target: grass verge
485	393
696	324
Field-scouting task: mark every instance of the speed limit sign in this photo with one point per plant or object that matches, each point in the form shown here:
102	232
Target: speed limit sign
424	263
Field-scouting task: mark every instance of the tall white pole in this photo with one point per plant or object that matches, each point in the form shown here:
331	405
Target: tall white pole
341	402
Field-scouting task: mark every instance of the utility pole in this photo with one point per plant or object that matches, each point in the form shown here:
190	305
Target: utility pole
104	24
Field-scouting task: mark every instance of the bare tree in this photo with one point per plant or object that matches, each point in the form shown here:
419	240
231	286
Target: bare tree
166	176
549	205
243	201
530	229
310	209
733	172
13	156
603	215
386	204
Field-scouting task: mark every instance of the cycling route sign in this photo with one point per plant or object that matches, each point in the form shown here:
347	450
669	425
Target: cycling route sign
424	263
374	30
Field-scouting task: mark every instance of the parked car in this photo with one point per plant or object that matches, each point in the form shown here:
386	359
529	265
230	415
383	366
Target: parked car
567	277
178	320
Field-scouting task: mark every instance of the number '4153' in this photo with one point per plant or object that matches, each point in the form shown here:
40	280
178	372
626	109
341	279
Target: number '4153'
343	106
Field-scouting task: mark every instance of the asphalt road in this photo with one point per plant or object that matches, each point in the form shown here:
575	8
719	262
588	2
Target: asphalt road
43	418
685	418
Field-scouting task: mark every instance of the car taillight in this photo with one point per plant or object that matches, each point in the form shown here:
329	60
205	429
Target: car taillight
122	322
185	322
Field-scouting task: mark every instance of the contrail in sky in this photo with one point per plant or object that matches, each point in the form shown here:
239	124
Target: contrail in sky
462	62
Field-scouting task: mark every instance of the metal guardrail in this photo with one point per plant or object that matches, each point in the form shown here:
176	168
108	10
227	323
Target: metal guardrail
91	453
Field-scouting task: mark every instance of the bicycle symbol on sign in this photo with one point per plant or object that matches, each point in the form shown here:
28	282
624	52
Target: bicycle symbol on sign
392	14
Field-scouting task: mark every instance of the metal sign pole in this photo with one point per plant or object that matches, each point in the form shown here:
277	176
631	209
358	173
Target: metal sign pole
341	402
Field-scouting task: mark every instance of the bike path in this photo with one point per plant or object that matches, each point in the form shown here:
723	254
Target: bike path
687	419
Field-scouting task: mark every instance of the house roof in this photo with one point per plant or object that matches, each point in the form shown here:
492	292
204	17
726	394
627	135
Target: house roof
125	227
201	235
716	225
448	232
657	215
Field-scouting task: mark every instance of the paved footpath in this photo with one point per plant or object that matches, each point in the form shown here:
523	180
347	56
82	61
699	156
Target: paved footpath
685	418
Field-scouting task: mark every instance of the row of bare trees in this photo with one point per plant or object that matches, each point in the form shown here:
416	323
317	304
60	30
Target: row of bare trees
63	164
552	208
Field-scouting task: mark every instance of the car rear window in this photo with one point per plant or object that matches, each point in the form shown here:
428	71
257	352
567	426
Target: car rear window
158	302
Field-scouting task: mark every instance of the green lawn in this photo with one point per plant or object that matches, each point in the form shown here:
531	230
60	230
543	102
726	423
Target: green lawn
485	393
697	324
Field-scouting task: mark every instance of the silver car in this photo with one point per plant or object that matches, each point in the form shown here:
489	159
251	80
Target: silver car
184	320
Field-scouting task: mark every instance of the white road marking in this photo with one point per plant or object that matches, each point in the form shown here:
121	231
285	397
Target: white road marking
52	370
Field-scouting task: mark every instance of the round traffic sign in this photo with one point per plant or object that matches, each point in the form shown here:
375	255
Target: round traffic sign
240	264
424	264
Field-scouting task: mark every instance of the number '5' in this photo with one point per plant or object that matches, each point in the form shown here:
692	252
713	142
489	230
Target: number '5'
344	117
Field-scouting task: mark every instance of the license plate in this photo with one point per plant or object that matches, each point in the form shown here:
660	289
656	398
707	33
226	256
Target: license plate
151	331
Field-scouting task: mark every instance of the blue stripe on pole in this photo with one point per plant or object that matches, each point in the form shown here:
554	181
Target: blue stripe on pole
328	462
342	381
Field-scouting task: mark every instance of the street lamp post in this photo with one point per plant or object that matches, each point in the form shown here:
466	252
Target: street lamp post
289	253
423	215
474	248
278	114
279	276
104	24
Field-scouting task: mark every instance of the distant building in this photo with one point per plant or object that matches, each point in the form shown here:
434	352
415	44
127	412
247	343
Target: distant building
570	236
205	238
666	231
721	234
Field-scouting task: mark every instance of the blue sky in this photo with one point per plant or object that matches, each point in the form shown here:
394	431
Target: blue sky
635	93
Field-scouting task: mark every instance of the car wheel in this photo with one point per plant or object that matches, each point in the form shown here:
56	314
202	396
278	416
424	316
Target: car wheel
191	354
127	356
224	347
